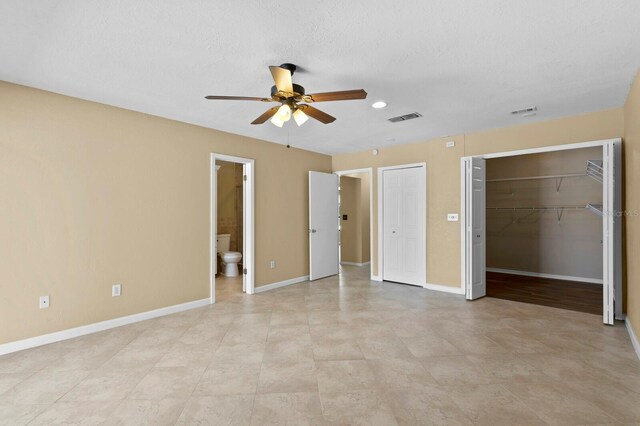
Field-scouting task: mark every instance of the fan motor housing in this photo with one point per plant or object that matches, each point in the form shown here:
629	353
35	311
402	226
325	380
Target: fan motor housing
297	91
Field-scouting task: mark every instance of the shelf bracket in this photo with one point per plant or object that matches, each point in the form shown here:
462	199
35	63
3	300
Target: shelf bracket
558	183
559	213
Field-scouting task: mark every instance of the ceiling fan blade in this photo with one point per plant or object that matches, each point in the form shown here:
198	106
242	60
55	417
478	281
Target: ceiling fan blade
282	78
238	98
266	115
312	112
345	95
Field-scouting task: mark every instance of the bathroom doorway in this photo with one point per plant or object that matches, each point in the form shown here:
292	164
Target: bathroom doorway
232	228
355	225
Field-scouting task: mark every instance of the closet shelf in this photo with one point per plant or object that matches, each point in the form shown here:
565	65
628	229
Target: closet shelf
567	175
594	171
558	209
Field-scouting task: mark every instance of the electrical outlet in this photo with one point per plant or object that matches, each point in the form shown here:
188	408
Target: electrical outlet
44	302
452	217
451	144
273	264
116	290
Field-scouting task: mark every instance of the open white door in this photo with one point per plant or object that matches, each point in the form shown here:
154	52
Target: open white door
403	218
474	222
323	225
612	233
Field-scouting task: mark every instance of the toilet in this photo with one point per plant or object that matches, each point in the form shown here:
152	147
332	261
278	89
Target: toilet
229	259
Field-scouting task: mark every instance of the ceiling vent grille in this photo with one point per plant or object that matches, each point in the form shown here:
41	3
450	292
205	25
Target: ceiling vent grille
526	111
405	117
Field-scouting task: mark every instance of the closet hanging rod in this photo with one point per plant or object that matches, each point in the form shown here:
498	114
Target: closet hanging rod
568	175
538	208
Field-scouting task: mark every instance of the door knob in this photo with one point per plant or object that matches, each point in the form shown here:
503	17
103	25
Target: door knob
313	231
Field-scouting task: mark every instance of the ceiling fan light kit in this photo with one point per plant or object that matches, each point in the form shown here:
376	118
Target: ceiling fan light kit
277	121
300	117
294	101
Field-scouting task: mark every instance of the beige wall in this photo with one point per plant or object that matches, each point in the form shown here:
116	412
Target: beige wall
631	148
443	174
536	241
94	195
350	229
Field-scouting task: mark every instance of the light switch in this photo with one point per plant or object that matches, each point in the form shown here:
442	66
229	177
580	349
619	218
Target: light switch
452	217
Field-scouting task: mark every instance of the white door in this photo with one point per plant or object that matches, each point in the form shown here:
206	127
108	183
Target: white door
403	219
612	233
474	221
323	225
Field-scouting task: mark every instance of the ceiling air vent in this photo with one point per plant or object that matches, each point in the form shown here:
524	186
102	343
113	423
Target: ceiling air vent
405	117
526	112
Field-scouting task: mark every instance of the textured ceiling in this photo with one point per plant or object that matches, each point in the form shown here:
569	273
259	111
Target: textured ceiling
464	65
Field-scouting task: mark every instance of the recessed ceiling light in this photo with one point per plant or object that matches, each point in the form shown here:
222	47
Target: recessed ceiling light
379	104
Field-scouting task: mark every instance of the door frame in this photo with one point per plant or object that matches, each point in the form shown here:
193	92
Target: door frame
368	170
616	200
380	184
248	213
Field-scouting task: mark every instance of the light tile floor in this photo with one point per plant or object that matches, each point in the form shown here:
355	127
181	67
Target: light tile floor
342	350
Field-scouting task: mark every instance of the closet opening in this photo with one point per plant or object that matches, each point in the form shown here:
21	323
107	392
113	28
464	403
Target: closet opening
544	234
544	226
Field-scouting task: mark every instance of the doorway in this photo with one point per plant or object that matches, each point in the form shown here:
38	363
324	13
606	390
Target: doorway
402	226
355	226
232	226
543	226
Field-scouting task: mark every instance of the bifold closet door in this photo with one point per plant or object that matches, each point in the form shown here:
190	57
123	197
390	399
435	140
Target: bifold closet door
323	225
612	233
474	221
404	216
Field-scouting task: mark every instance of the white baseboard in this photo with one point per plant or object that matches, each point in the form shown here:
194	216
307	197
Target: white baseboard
272	286
633	336
354	263
444	288
376	278
71	333
543	275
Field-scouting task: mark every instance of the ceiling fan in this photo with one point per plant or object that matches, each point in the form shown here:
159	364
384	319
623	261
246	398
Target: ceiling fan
291	96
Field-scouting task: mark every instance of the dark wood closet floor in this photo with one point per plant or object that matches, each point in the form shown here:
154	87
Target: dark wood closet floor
572	295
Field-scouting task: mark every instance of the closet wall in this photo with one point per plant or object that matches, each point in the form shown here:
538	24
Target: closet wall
566	242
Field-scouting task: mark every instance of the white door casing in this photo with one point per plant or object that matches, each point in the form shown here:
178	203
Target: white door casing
245	196
611	226
404	225
323	225
248	220
474	221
